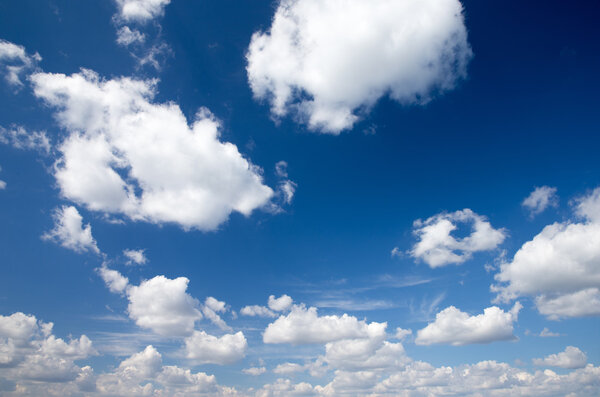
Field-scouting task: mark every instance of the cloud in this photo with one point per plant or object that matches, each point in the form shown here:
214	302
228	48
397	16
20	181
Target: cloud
126	36
15	60
207	349
304	326
162	305
454	327
30	352
326	60
137	257
281	304
546	333
141	11
571	358
281	169
288	368
254	371
69	231
127	155
19	138
114	280
560	266
257	311
540	199
2	185
437	247
210	309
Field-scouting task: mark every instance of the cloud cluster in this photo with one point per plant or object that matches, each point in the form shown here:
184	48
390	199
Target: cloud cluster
540	199
141	11
69	231
127	155
281	304
18	137
135	257
560	266
14	61
571	358
438	247
203	348
324	60
454	327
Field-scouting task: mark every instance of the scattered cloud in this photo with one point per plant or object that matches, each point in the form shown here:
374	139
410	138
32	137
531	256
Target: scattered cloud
135	257
326	61
281	304
207	349
14	61
546	333
257	311
141	11
559	266
127	36
19	138
114	280
254	371
454	327
69	231
540	199
438	247
571	358
127	155
210	309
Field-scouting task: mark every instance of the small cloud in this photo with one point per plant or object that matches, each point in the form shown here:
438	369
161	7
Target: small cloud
126	36
69	231
254	371
135	257
540	199
546	333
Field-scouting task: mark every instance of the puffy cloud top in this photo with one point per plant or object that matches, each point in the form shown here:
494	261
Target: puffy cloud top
325	59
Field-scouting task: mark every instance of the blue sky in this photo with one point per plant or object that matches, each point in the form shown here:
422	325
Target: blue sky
299	197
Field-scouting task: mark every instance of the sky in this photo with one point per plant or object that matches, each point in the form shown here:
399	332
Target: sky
299	197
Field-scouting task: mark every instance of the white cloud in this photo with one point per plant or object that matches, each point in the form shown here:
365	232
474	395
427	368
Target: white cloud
15	60
304	326
288	368
254	371
402	333
546	333
18	137
213	306
126	36
127	155
540	199
281	169
437	247
162	305
137	257
281	304
257	311
326	60
141	10
69	231
560	266
208	349
284	388
571	358
2	185
114	280
454	327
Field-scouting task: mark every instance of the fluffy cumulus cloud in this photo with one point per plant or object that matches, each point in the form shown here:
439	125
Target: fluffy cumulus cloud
114	280
454	327
210	309
560	266
163	305
327	60
135	257
304	326
438	247
540	199
15	61
20	138
141	10
257	311
571	358
203	348
127	155
29	352
283	303
69	231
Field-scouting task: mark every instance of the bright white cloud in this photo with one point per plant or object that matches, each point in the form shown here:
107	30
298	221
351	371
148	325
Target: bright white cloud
288	368
570	358
546	333
304	326
560	267
162	305
141	10
327	60
454	327
19	138
438	247
69	231
127	155
126	36
15	60
283	303
213	306
137	257
208	349
540	199
114	280
257	311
